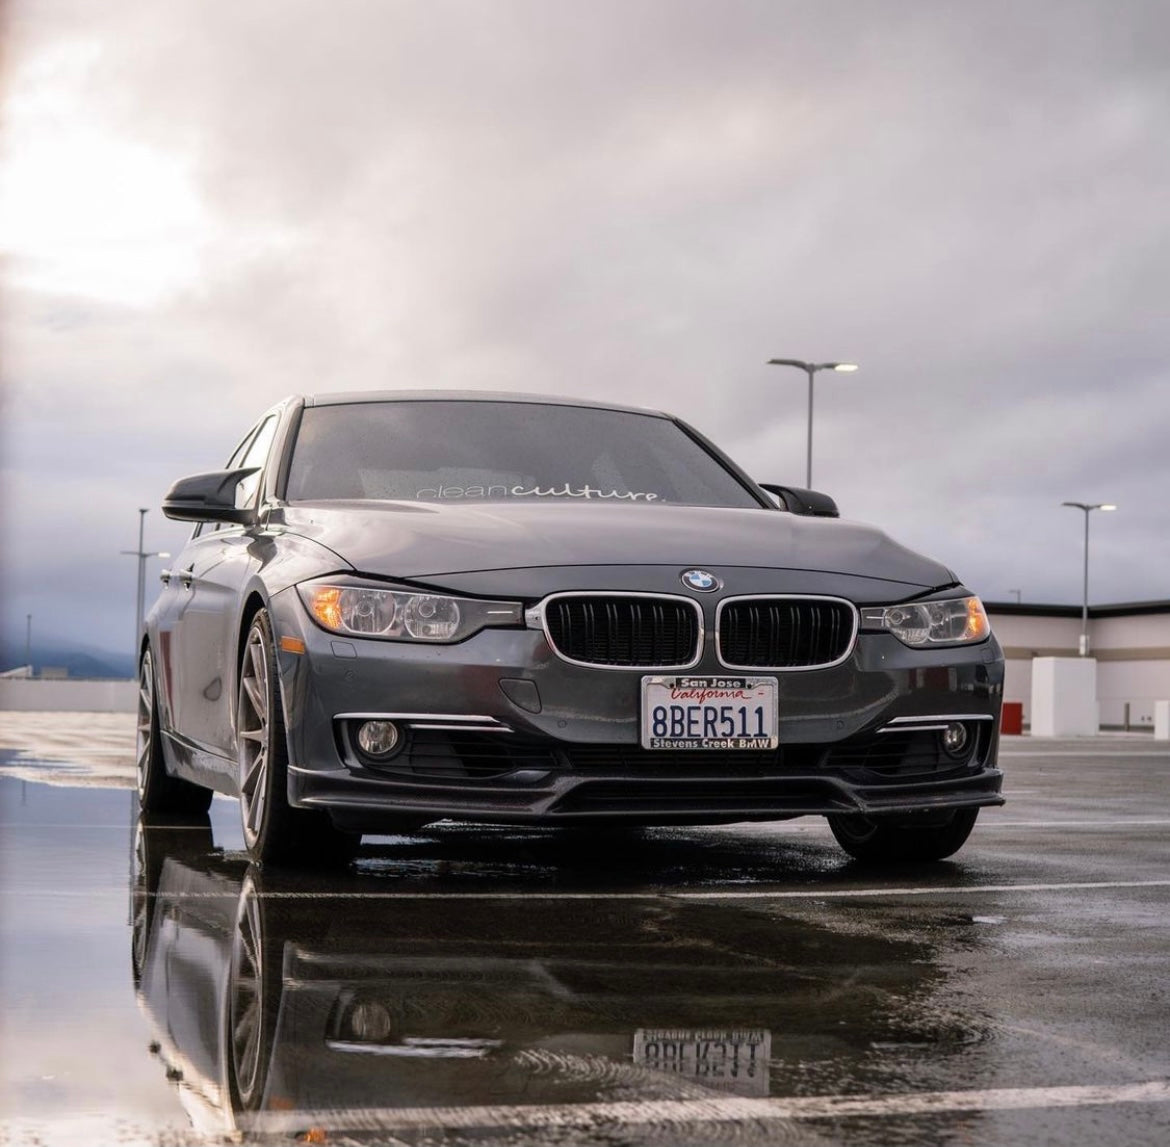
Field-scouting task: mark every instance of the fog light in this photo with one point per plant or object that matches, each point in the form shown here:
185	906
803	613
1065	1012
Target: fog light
954	739
378	738
370	1020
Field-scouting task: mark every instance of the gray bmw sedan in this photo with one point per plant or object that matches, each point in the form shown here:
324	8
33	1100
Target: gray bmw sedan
501	608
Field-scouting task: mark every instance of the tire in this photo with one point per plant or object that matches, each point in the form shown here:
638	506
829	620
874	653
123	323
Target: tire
274	831
889	841
158	792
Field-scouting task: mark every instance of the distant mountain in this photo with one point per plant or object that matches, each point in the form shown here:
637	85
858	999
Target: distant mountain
80	661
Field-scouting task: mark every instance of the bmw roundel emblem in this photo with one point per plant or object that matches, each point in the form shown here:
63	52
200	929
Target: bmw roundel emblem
701	580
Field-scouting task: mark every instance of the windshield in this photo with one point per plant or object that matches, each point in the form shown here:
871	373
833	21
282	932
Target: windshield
453	451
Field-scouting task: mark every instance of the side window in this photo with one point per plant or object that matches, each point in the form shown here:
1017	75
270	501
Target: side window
238	454
256	455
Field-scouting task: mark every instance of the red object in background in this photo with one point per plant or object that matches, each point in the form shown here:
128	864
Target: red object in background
1012	721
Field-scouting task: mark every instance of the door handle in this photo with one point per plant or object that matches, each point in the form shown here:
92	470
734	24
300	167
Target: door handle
186	575
164	576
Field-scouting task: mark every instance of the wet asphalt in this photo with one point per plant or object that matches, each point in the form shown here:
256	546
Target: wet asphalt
483	985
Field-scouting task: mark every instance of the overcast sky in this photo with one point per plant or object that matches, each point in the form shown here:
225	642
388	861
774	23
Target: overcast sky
207	206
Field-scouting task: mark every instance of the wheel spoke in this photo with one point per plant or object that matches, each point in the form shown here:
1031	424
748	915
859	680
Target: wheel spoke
246	1021
255	696
259	668
254	774
253	792
255	809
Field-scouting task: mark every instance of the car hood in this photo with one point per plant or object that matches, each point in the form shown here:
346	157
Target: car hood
430	541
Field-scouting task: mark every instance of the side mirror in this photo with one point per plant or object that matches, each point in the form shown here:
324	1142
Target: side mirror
209	497
810	503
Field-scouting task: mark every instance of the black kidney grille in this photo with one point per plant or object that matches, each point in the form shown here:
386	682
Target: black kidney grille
651	633
784	633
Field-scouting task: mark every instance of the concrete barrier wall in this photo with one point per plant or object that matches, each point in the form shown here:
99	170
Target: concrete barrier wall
1141	712
1132	652
77	695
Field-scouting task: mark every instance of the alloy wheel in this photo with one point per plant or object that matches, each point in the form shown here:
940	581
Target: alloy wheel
255	739
139	905
143	741
247	995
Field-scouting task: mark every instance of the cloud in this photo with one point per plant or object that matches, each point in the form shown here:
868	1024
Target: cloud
638	201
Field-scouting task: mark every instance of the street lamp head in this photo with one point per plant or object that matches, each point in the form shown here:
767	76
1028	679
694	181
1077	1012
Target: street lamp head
1107	506
1087	506
813	367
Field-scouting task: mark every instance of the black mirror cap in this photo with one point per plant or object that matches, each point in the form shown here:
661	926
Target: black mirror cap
810	503
209	497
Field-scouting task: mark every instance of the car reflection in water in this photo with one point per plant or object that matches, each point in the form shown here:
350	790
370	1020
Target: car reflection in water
281	1002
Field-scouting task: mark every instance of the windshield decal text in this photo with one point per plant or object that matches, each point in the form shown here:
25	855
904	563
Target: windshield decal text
589	493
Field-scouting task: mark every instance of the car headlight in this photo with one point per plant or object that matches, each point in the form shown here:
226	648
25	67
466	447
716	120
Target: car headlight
956	621
394	615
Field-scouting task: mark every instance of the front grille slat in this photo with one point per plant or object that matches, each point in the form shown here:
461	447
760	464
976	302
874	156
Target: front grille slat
784	633
624	632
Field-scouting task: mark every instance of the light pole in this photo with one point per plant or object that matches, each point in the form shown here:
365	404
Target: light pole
1088	508
139	598
1017	593
811	368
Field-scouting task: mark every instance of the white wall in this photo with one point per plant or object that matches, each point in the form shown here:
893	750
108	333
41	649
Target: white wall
1039	636
1141	683
1133	659
1138	632
76	695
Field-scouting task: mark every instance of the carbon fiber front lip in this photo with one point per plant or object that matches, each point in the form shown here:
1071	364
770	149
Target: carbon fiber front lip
566	798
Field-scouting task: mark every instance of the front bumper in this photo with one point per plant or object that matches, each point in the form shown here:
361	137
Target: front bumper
499	729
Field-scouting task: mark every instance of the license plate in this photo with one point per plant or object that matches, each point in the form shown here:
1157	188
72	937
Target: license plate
734	1061
709	713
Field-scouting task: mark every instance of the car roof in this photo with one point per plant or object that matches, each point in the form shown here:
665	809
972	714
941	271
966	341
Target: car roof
351	397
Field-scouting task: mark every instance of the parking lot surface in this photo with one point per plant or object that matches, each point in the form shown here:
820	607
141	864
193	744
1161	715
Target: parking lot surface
484	985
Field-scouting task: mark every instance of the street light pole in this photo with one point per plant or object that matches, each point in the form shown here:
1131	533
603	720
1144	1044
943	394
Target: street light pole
138	597
811	368
140	594
808	445
1087	508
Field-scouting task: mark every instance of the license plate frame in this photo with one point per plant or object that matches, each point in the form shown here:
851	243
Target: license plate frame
682	712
